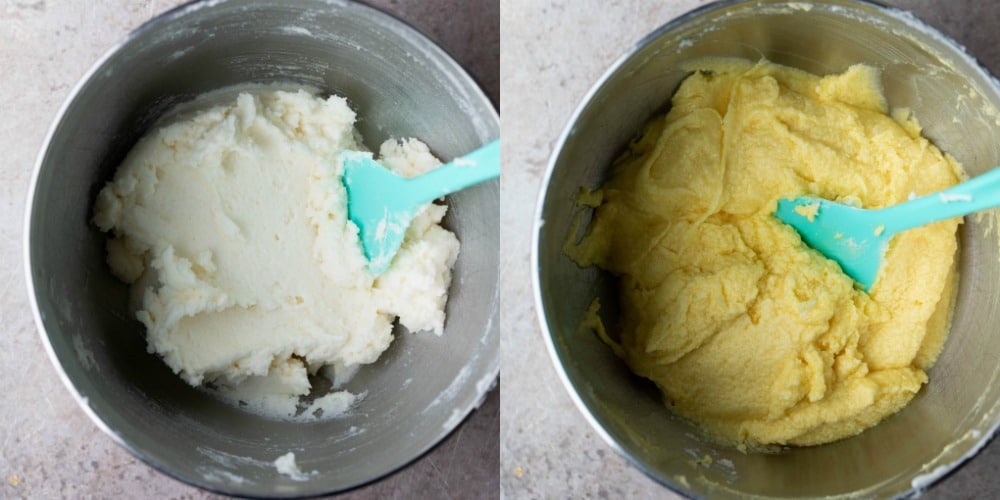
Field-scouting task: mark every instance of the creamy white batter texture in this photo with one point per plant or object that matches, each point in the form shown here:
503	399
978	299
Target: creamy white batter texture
230	223
286	465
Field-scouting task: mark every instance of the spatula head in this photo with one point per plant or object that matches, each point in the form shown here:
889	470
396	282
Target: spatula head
852	237
375	204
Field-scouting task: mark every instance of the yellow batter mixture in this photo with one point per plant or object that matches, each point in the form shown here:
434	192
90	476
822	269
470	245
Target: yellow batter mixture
746	331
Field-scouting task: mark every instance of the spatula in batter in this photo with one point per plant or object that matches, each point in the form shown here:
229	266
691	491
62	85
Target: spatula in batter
857	238
382	204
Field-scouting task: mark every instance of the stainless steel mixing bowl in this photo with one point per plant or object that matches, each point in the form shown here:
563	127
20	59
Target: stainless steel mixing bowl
401	85
954	99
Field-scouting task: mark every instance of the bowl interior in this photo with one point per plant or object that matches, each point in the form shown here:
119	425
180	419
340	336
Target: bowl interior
401	85
955	101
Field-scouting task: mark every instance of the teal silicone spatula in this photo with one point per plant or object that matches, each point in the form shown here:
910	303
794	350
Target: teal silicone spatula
857	238
382	204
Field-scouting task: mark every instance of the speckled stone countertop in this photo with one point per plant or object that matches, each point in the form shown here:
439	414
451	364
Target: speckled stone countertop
48	446
551	54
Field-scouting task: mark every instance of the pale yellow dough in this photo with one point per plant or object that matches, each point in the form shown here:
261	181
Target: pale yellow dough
747	332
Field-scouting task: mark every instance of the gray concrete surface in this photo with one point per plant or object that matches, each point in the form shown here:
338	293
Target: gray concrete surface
551	53
48	447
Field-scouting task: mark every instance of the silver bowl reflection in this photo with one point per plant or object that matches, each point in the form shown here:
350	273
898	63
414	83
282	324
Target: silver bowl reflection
401	84
955	100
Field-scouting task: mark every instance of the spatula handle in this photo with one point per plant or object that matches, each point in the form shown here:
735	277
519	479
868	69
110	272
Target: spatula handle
478	166
980	193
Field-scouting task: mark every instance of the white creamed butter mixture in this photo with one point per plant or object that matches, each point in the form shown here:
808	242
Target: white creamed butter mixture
230	224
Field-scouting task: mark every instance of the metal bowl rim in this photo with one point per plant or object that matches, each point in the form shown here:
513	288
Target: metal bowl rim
538	223
168	16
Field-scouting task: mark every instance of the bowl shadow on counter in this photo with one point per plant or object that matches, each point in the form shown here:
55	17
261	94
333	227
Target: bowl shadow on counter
401	85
